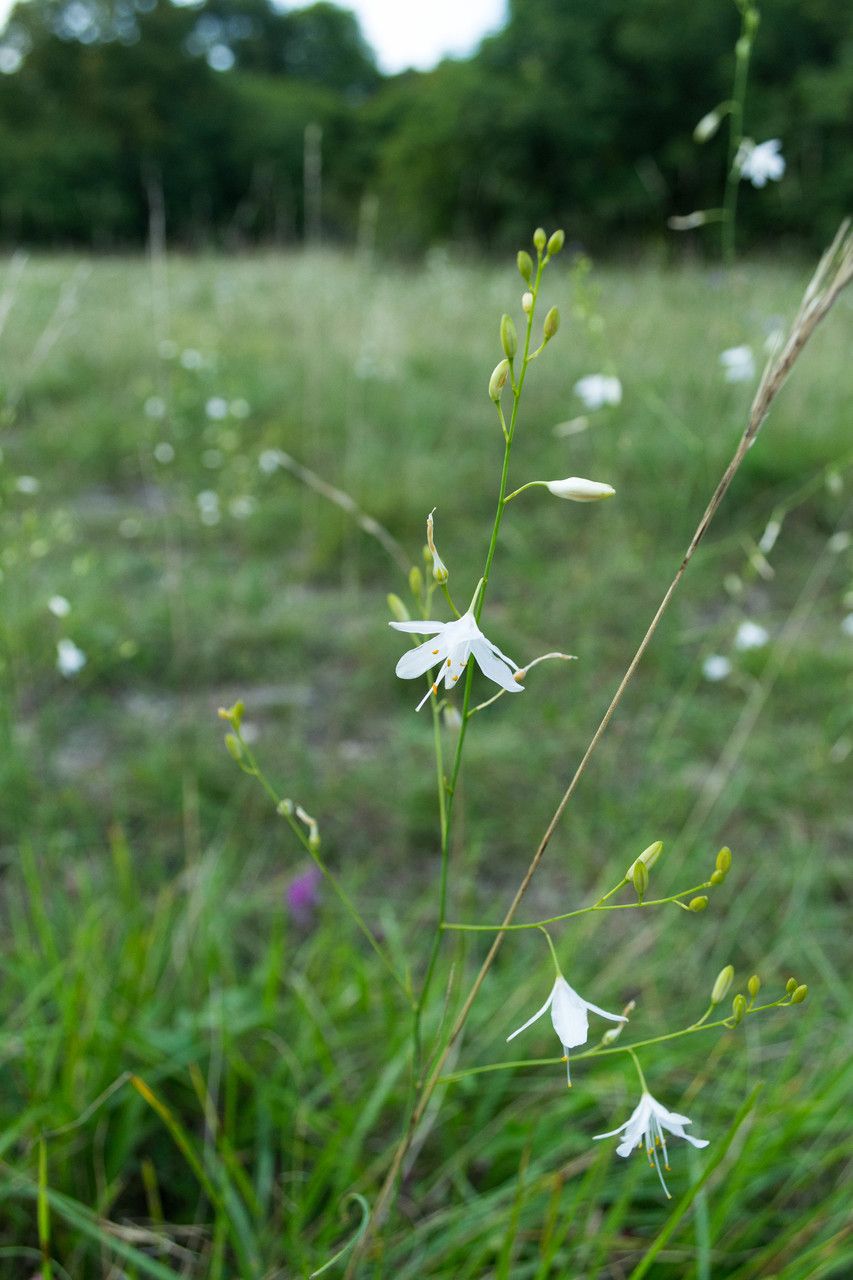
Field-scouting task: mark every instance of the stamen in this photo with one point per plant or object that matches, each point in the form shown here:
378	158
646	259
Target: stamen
435	650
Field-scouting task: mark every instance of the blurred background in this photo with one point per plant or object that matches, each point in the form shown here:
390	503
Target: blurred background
254	260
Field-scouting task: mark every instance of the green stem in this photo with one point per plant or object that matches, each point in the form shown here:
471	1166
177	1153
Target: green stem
743	50
530	485
580	911
553	952
636	1062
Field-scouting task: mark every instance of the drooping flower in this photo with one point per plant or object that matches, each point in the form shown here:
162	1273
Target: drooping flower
738	364
645	1127
599	389
452	644
576	489
759	161
569	1017
70	660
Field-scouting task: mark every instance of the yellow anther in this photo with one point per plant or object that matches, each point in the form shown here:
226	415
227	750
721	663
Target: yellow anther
435	650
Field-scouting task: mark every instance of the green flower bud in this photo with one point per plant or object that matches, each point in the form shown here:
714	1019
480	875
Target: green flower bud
556	242
527	302
640	878
497	382
552	324
754	985
697	904
648	858
314	840
717	877
234	715
416	582
791	985
738	1009
285	808
799	994
721	986
396	606
232	742
539	239
724	859
525	264
707	127
509	338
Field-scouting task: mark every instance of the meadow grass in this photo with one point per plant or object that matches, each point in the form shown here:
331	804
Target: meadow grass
146	932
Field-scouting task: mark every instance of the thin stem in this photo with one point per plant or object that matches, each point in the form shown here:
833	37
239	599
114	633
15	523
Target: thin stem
636	1061
743	50
581	911
548	939
531	484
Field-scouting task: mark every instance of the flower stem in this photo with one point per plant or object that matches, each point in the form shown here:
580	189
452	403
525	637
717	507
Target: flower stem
743	50
581	911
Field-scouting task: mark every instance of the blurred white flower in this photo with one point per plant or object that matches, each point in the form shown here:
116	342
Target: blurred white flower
569	1017
270	460
27	484
847	625
760	161
216	408
242	507
644	1128
839	542
208	506
738	364
155	407
767	541
192	359
716	667
577	489
59	606
69	659
751	635
598	389
164	452
452	645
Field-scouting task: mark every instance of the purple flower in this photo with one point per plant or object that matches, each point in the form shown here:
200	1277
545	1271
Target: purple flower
302	896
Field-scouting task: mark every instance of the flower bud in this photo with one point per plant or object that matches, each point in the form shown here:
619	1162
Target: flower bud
527	303
556	242
717	877
738	1009
509	338
650	855
576	489
234	715
439	568
285	808
799	995
416	582
640	877
791	985
724	859
552	324
497	382
539	238
707	126
687	221
396	606
525	264
721	987
697	904
232	742
754	985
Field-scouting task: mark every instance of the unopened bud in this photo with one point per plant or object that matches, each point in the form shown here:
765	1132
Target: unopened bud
721	987
313	829
497	382
791	985
687	221
742	48
552	324
439	568
527	302
738	1009
234	715
648	858
509	338
232	742
556	242
452	717
525	264
285	808
707	126
396	606
314	840
754	985
640	877
724	859
717	877
697	904
539	238
799	994
416	582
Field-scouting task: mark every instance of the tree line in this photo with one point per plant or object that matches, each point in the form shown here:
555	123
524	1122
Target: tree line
235	122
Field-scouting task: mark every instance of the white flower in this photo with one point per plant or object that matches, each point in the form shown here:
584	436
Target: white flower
69	659
164	452
216	408
758	162
452	645
738	364
155	407
27	484
751	635
579	490
847	625
270	460
569	1017
716	667
59	606
644	1128
599	389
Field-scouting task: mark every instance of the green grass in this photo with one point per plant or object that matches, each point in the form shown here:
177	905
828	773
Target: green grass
143	877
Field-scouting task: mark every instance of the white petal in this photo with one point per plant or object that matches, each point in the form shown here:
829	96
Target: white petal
417	661
424	628
494	648
568	1014
611	1133
694	1142
493	667
602	1013
530	1021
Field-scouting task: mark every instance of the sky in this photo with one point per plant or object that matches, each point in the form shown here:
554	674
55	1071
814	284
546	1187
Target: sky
413	33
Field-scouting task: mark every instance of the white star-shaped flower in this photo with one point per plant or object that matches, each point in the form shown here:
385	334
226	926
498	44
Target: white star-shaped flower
452	644
644	1128
759	162
569	1017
